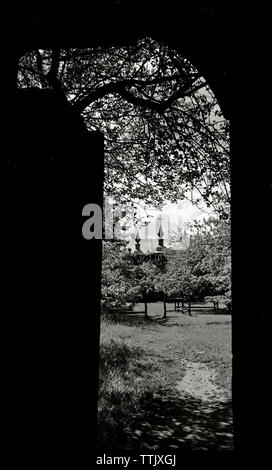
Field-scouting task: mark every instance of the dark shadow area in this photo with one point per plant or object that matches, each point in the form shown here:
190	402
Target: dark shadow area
138	319
177	424
47	337
168	321
132	319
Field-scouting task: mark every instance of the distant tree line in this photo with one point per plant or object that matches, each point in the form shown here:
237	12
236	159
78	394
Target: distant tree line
202	271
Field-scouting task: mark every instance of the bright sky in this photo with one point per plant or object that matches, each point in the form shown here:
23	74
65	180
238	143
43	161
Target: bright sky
173	217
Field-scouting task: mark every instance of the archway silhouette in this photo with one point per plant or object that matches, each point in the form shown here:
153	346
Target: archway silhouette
225	67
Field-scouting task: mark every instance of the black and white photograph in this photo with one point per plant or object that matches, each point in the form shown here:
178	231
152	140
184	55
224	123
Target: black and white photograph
135	239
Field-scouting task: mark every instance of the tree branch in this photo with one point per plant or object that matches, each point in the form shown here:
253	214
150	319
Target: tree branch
52	76
42	77
120	88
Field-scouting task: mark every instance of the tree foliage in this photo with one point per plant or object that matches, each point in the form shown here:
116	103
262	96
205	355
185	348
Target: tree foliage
164	131
204	269
122	280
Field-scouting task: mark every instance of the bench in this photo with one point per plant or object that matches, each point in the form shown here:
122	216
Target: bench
186	304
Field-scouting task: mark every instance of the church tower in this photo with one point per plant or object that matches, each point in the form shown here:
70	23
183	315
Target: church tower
138	242
160	237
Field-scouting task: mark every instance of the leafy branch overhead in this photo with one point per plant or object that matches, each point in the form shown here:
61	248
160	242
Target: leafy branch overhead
164	131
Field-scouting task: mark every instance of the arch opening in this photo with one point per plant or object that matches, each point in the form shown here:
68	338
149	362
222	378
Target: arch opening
165	138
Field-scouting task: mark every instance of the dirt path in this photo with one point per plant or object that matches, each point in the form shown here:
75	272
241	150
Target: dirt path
196	416
198	382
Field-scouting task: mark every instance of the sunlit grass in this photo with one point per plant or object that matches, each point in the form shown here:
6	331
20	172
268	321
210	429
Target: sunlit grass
142	360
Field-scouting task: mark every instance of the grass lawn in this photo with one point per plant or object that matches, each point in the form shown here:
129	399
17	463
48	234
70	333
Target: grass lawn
141	362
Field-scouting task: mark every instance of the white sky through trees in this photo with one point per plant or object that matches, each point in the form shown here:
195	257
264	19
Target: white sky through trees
176	219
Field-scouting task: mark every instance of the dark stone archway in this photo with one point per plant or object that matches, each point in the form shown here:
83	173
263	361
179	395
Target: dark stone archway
220	39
